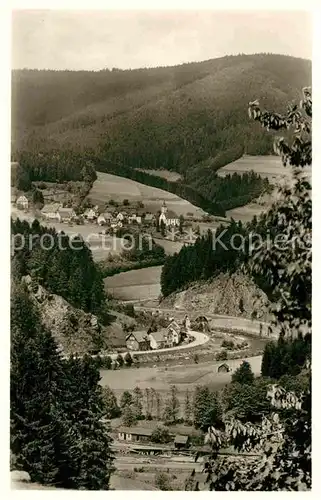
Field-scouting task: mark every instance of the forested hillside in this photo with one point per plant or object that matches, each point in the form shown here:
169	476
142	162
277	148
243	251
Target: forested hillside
190	118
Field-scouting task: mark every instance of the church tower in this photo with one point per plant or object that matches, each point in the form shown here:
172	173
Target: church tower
164	208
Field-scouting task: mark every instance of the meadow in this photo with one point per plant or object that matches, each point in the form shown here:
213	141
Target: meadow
109	186
166	174
266	166
138	284
184	377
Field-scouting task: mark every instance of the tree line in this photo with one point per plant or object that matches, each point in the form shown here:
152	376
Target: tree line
56	432
62	266
52	166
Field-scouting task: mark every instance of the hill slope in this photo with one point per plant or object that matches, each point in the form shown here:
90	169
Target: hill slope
191	118
231	295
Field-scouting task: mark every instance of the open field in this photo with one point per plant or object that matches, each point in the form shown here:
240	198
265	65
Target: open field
108	186
166	174
266	166
183	376
137	284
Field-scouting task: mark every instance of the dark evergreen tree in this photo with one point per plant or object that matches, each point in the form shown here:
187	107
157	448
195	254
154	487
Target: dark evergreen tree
243	374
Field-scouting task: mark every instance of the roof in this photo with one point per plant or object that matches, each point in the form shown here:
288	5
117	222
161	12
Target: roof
53	207
107	215
180	439
137	431
201	318
149	216
170	214
174	325
66	211
159	335
22	196
140	336
224	365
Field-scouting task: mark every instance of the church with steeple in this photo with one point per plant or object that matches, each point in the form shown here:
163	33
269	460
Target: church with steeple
169	218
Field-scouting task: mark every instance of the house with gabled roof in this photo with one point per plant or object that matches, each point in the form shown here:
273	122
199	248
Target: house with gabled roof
66	214
158	340
134	433
22	202
91	213
104	218
51	211
138	341
181	441
149	218
224	368
173	333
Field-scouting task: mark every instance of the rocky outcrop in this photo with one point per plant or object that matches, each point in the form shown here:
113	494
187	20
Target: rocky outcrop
231	295
74	330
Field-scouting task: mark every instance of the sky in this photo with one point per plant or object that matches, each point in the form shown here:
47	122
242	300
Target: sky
94	40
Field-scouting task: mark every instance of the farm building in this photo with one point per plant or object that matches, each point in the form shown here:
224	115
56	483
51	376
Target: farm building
165	337
181	441
158	340
168	217
149	218
22	202
66	214
224	368
51	211
138	341
133	434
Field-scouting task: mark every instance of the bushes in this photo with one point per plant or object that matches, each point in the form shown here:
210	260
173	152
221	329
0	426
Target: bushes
221	356
161	435
120	360
128	359
228	344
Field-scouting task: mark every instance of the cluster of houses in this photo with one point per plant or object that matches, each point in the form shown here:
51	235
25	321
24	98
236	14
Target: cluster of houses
56	212
168	337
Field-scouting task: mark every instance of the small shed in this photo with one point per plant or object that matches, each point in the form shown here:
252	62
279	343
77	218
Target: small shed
224	368
181	441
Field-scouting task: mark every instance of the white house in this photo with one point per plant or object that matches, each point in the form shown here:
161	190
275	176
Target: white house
174	332
168	217
135	219
104	218
22	202
120	216
90	214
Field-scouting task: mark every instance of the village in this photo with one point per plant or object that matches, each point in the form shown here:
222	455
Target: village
111	218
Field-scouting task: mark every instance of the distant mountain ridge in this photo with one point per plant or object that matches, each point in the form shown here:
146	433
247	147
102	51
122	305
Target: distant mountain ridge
191	118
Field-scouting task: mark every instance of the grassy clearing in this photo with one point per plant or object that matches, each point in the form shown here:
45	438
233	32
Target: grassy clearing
266	166
166	174
108	186
135	284
183	376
